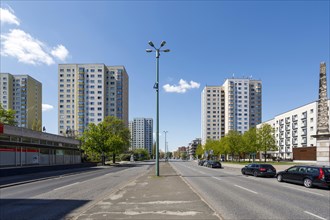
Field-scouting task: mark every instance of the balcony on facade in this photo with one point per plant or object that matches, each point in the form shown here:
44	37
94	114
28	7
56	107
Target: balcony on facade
295	126
295	118
304	123
304	115
287	127
287	120
295	141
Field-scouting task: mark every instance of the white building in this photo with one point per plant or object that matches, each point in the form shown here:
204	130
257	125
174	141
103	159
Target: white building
23	94
294	129
236	105
90	92
141	133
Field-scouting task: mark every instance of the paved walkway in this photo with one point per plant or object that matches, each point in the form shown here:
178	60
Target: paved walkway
151	197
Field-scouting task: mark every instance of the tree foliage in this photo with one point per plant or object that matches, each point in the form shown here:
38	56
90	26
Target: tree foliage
235	144
199	151
111	136
7	117
266	139
141	154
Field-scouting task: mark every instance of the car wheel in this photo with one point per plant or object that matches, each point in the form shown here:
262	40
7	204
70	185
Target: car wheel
279	178
243	172
308	183
255	173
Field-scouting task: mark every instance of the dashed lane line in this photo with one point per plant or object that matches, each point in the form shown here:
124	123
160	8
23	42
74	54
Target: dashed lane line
246	189
316	216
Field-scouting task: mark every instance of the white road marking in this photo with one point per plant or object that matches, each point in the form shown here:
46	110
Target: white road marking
246	189
66	186
303	190
309	213
216	178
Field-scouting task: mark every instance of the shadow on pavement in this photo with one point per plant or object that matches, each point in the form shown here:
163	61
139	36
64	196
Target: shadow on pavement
12	209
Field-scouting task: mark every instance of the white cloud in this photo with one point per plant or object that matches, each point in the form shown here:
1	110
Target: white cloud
25	48
7	16
182	87
46	107
60	52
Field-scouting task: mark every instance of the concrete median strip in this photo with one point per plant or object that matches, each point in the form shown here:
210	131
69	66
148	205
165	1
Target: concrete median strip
152	197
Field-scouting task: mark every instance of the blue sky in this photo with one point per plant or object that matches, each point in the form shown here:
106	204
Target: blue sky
279	42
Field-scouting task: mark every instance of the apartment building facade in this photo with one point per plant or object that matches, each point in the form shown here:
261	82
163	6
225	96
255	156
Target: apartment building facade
294	129
236	105
141	133
88	93
23	94
192	146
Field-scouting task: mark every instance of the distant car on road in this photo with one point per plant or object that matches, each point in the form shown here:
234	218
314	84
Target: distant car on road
256	169
308	175
201	162
212	164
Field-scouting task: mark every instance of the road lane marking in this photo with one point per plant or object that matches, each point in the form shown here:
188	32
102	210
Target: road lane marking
309	213
303	190
66	186
246	189
216	178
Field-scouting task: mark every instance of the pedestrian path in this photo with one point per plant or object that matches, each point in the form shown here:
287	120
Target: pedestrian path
152	197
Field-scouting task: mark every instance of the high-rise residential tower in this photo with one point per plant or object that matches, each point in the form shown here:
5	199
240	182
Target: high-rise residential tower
88	93
236	105
141	133
23	94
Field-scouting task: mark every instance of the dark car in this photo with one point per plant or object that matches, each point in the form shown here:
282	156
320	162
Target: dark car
201	162
309	176
213	164
256	169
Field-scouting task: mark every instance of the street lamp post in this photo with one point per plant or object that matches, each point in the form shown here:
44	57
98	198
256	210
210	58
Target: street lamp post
156	86
165	146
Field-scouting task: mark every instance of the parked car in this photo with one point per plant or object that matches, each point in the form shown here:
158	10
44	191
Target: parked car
308	175
201	162
213	164
256	169
205	163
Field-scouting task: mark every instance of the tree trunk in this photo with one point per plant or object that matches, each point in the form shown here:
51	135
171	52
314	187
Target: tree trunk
265	156
113	158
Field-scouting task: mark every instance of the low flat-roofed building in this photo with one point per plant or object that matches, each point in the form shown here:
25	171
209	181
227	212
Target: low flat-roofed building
25	147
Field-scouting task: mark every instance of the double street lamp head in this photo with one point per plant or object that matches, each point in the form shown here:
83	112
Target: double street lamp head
162	44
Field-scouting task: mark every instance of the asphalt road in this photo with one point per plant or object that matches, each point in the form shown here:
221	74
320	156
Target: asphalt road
65	196
236	196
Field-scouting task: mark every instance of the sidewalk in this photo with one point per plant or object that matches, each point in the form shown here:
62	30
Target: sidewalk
152	197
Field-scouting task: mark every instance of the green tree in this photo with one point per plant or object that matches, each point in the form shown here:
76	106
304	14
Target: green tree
111	136
250	142
199	151
234	143
212	145
266	139
183	155
7	117
141	154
